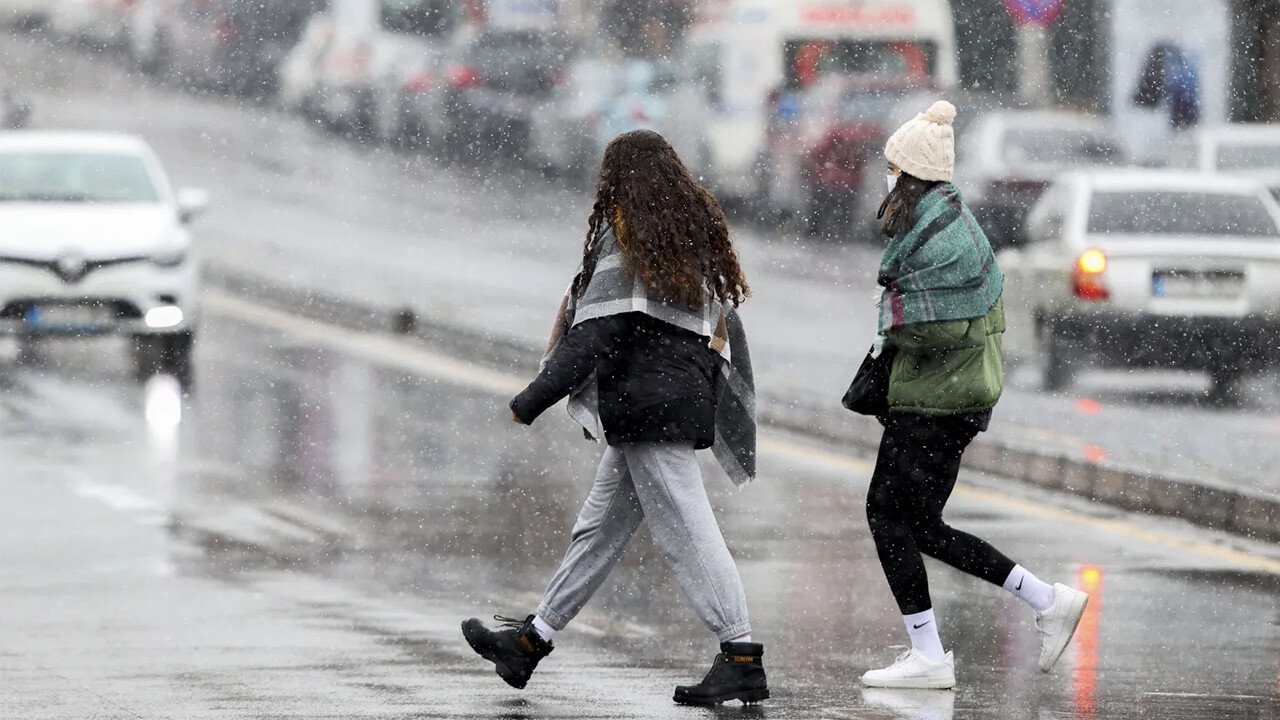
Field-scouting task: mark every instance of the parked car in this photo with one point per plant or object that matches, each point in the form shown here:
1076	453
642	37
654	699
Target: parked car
563	128
823	158
299	75
1251	151
412	102
103	23
95	242
1148	269
373	48
501	77
233	45
1007	158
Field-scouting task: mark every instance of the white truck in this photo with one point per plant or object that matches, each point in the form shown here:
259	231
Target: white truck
745	52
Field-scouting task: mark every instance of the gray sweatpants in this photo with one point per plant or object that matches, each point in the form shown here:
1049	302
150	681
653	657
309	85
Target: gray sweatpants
660	482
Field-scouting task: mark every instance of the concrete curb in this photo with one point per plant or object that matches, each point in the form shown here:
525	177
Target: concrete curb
1209	503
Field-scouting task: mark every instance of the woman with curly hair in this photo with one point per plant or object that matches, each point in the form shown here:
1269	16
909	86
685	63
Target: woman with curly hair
650	352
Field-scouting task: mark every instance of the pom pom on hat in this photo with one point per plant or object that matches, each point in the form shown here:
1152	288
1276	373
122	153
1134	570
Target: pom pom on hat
924	146
940	113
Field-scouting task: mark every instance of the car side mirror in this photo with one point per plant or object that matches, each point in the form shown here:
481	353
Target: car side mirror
191	203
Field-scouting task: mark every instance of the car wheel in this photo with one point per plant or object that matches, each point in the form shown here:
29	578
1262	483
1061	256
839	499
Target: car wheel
1059	372
167	354
30	350
158	62
1225	387
816	209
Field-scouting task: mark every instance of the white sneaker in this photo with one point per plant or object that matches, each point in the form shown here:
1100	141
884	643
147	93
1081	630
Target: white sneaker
1058	623
914	670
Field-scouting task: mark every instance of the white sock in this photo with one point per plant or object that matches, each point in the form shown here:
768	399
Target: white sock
744	638
923	629
545	631
1029	589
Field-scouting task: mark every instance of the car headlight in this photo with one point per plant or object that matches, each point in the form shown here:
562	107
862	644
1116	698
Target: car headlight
170	258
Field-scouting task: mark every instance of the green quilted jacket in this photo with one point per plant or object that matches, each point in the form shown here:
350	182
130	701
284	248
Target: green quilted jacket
948	367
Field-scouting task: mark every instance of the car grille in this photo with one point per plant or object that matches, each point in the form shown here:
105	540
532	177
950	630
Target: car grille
76	271
120	309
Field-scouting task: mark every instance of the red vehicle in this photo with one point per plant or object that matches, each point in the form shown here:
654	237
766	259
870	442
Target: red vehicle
823	158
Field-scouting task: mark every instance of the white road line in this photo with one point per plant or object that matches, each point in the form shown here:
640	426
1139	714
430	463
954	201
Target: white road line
380	349
376	348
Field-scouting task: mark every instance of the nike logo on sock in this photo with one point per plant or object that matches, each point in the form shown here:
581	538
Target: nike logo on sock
1024	577
917	627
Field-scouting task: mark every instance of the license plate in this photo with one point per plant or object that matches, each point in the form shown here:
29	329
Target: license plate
1197	283
68	317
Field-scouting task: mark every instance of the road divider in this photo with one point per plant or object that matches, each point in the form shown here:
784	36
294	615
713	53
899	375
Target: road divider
433	347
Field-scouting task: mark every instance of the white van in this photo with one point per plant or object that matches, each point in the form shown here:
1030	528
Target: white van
744	52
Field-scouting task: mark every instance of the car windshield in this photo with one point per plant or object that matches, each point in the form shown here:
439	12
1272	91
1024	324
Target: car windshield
867	107
1180	213
427	18
517	60
1249	156
75	177
1065	147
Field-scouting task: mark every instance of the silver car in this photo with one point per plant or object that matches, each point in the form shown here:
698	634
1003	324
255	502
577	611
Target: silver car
1250	151
1148	269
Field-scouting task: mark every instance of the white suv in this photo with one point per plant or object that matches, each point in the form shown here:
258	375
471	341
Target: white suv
1149	269
95	241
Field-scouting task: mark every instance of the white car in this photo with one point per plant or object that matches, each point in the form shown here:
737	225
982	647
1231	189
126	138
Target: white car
95	241
1251	151
1145	268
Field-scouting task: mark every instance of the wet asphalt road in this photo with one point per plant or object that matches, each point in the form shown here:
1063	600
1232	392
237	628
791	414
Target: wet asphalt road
493	247
145	571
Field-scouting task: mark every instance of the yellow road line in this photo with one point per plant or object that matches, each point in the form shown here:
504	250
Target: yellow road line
388	351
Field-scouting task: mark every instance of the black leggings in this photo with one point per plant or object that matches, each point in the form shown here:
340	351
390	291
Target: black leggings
915	472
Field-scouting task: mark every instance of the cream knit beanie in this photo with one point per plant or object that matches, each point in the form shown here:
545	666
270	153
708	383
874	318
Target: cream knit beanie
925	145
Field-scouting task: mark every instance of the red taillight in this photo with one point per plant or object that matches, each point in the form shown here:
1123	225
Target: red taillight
638	114
1087	276
419	82
465	76
225	33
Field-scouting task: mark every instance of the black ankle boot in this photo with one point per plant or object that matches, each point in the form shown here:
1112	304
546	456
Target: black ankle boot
736	674
515	651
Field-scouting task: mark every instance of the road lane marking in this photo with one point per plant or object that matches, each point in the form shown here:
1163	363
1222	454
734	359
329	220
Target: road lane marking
387	351
377	348
1114	526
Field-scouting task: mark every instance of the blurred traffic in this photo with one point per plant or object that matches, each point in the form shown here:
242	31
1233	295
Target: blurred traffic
386	176
783	108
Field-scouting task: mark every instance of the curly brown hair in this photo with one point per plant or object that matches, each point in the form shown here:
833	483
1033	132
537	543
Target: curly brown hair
668	226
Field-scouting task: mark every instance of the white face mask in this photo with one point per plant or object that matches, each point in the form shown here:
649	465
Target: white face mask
892	181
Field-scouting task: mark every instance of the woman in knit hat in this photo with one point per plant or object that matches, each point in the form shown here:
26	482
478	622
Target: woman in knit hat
942	317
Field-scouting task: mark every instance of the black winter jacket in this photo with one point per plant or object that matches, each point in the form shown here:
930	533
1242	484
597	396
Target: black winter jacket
656	381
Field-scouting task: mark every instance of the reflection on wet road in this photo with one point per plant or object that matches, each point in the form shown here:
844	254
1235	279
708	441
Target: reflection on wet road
357	498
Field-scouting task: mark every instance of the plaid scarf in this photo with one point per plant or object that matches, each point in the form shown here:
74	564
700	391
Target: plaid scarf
940	269
614	289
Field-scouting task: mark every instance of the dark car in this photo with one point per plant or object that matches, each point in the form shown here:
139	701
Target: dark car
502	75
233	45
823	156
